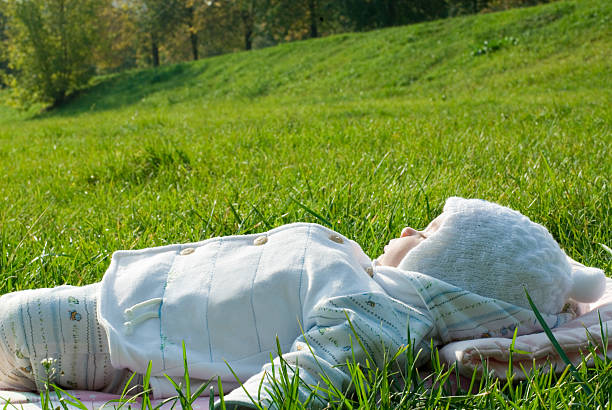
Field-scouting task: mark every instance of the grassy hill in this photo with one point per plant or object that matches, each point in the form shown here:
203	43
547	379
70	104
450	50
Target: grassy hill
370	131
559	47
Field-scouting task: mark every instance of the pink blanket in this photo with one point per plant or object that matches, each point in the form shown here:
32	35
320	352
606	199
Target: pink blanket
91	399
468	355
573	337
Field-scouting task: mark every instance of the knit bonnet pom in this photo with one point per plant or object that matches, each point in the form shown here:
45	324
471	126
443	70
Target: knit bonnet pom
497	252
588	284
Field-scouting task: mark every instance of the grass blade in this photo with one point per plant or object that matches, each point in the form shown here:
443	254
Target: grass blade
556	345
311	212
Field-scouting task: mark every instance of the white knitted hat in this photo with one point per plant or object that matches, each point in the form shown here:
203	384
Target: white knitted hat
493	251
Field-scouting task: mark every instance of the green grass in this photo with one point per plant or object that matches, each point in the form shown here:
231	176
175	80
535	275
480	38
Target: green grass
372	131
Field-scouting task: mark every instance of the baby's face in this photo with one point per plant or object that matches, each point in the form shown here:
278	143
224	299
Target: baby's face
397	248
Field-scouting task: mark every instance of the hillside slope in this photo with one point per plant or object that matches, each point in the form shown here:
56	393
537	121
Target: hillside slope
546	48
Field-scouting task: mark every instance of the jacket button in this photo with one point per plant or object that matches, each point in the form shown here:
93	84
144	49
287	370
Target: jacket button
336	238
370	271
260	240
187	251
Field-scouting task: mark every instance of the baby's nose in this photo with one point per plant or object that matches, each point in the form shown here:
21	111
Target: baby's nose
408	231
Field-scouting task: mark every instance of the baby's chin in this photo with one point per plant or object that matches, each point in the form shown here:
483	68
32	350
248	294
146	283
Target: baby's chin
380	261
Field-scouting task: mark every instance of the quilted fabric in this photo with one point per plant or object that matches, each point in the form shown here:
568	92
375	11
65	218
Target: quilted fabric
573	336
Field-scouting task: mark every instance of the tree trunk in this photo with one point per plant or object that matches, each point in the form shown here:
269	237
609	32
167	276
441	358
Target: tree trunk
155	52
193	35
391	17
312	8
247	21
59	99
64	70
194	45
248	40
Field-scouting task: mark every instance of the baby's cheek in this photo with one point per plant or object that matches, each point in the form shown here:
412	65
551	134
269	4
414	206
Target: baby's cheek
408	243
394	255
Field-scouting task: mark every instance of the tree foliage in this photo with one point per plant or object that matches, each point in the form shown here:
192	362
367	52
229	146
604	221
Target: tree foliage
156	19
50	45
3	54
288	20
367	15
118	41
50	48
498	5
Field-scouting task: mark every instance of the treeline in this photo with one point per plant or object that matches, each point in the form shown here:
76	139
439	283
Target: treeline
49	48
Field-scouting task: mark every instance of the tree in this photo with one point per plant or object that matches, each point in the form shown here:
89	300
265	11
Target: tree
498	5
117	45
220	28
295	19
193	14
156	20
3	40
288	20
458	7
250	15
246	10
190	20
367	15
50	45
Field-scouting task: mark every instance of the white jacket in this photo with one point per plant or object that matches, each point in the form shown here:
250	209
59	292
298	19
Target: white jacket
229	299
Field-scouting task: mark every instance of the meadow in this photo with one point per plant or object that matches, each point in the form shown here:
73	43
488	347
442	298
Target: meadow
365	132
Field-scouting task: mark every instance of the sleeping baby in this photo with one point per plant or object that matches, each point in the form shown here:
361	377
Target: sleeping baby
230	299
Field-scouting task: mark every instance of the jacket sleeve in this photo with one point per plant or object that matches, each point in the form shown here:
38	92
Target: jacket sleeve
378	321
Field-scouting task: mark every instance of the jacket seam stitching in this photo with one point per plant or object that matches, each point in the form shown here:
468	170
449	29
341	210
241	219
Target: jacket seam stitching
212	274
259	262
302	268
162	342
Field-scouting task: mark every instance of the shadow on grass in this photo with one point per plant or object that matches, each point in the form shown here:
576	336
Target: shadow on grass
127	88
